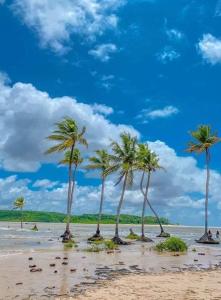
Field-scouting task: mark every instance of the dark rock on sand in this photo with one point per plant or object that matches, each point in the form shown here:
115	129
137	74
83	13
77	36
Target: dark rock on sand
36	270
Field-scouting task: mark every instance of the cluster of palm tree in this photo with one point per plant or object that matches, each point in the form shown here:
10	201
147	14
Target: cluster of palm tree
125	158
19	203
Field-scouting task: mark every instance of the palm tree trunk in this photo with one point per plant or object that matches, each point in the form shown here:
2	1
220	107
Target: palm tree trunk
119	207
162	233
101	206
207	189
72	189
144	205
21	217
67	234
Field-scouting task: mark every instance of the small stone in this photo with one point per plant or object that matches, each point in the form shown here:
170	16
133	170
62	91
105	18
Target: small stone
55	271
73	270
57	257
30	258
201	253
65	258
64	263
36	270
52	265
19	283
32	266
195	259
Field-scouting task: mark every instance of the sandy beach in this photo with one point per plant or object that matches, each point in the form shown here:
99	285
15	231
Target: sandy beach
168	286
136	271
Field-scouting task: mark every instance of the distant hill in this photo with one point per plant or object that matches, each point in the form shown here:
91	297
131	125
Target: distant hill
54	217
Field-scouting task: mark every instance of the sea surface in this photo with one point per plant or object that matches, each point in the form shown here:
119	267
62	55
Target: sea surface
13	239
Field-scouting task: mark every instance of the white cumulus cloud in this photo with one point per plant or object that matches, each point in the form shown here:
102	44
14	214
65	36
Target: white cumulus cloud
164	112
27	116
210	48
56	21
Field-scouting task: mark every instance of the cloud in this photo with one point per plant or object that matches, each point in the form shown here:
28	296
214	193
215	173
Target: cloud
45	184
103	52
210	49
177	192
27	116
55	22
167	55
165	112
174	34
102	109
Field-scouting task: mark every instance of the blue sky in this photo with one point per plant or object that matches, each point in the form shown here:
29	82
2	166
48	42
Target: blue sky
143	66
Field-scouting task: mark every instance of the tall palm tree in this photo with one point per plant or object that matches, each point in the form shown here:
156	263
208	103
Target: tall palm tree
148	162
75	160
99	162
68	135
19	203
123	161
204	139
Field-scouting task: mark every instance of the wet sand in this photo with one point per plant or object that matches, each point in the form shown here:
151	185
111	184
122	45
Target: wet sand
80	271
169	286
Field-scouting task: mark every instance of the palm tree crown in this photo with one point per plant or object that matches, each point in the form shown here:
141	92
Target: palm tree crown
204	139
19	202
124	157
67	134
100	162
76	159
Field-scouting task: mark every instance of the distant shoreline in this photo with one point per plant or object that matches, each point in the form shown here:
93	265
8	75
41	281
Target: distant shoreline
54	217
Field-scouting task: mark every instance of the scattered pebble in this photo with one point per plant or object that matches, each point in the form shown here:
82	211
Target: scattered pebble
195	259
201	253
36	270
19	283
52	265
73	270
65	258
55	271
30	258
57	257
64	263
32	266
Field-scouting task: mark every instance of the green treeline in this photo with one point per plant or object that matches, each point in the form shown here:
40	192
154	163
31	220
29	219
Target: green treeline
54	217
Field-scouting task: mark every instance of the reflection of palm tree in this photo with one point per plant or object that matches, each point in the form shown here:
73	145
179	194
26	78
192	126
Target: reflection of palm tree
123	161
100	162
19	203
204	139
75	160
68	136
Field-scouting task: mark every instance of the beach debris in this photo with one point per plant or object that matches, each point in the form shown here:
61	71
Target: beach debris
201	253
55	271
32	266
36	270
73	270
30	258
57	257
64	263
195	259
52	265
19	283
65	258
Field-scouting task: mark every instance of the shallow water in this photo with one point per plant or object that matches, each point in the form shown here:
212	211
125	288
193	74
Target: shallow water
13	239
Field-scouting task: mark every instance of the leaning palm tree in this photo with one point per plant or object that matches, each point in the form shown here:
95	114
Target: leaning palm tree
67	135
204	139
99	162
19	203
148	162
123	161
75	160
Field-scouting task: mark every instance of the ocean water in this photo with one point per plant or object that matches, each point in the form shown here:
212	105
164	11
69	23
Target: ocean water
16	240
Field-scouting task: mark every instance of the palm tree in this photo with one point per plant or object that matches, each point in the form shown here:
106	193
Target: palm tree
99	162
204	138
123	161
19	203
148	162
75	160
67	135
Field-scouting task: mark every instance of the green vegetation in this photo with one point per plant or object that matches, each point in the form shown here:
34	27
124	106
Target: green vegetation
110	245
97	246
19	203
54	217
172	244
133	236
70	244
